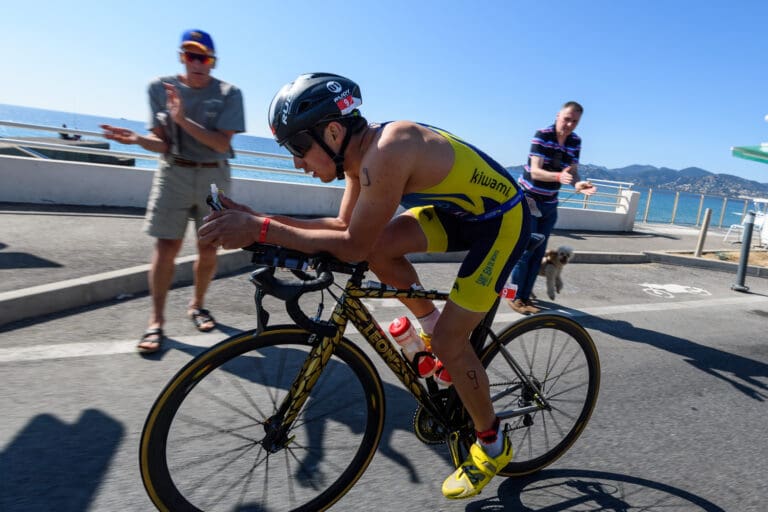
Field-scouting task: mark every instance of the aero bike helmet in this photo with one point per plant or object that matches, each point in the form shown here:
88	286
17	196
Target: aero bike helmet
311	99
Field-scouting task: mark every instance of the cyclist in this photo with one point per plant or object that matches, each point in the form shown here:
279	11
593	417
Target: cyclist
457	198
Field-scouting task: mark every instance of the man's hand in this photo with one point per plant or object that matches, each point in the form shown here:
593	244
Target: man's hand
565	177
121	135
230	229
585	187
173	103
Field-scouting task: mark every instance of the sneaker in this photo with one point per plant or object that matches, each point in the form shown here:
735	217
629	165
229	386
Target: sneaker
475	472
518	305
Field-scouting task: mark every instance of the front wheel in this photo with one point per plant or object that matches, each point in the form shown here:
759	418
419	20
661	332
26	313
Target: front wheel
562	367
209	444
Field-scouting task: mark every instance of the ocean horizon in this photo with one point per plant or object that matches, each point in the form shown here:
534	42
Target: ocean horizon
689	211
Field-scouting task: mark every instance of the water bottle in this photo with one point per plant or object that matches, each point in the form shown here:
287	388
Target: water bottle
413	346
442	377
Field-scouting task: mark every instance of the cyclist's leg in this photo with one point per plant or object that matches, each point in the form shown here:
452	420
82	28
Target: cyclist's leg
403	235
494	246
451	346
470	381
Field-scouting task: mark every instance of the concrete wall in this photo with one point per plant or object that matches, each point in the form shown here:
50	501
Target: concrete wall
581	219
30	180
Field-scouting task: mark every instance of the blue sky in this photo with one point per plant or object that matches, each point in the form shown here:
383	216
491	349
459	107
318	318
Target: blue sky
670	83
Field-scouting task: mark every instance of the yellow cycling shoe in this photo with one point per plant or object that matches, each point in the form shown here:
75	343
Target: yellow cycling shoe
475	472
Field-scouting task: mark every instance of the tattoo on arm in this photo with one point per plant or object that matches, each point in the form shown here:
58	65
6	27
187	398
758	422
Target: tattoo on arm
472	375
366	181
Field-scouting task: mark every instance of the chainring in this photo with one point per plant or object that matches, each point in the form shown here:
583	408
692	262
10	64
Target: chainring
427	429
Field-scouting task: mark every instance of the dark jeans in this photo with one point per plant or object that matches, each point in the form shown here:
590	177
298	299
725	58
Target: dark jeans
527	268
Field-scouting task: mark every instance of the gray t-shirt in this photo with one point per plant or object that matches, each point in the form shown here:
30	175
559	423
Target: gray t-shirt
219	106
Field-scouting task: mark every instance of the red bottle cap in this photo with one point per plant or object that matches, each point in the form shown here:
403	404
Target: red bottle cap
399	326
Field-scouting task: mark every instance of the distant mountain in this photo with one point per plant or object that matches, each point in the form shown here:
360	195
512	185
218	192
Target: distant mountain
691	179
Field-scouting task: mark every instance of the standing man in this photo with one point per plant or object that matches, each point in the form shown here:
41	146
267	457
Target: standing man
553	161
194	117
458	199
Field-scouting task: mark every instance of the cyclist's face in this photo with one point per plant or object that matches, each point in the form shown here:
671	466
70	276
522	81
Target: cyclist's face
315	159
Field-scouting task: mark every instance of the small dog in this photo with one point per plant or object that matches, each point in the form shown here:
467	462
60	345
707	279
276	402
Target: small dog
552	267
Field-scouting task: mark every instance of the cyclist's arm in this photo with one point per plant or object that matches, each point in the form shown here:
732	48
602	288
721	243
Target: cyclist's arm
371	204
338	223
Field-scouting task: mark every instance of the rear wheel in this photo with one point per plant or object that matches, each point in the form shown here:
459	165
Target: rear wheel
561	362
209	442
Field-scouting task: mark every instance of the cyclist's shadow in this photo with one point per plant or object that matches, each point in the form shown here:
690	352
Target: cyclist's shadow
577	489
399	410
747	373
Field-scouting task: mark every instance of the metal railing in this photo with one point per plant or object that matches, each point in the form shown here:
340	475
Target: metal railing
682	206
610	195
26	143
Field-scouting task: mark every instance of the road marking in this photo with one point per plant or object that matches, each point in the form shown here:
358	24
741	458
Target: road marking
105	348
650	307
90	348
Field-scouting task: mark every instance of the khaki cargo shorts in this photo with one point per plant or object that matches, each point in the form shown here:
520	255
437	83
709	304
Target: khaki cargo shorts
178	195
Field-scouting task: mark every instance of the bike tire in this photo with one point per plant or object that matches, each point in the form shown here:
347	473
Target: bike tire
201	446
561	356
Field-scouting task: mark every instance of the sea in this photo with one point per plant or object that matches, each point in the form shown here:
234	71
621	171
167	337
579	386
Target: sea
85	122
663	207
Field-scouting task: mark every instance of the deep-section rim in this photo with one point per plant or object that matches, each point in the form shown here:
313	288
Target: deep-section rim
152	444
582	337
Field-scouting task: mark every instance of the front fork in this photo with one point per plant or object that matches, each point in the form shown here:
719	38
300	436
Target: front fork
278	426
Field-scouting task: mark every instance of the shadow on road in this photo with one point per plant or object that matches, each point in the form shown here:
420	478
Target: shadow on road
52	465
574	489
740	372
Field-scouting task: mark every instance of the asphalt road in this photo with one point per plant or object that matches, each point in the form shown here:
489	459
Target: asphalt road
679	425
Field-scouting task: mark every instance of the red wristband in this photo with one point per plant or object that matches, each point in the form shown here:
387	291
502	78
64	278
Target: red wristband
264	228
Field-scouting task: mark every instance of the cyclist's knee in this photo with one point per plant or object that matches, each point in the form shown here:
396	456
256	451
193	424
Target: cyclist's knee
448	346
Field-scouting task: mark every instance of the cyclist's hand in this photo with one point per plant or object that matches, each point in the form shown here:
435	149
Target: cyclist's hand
230	229
232	205
565	176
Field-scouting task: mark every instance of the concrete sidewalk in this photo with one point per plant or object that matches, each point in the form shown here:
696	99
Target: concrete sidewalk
54	258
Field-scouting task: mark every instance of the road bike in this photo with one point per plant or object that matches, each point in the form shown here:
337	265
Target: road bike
288	417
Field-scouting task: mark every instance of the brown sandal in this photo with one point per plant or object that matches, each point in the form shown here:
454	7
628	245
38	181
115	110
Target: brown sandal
151	341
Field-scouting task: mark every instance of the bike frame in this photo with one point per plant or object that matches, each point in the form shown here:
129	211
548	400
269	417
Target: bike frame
349	307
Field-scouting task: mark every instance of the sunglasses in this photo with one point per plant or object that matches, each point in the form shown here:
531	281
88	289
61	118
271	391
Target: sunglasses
299	143
190	57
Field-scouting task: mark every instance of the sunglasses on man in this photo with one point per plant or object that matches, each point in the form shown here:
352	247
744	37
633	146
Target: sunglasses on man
299	143
190	57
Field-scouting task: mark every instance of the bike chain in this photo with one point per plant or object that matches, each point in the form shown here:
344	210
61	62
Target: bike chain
430	432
